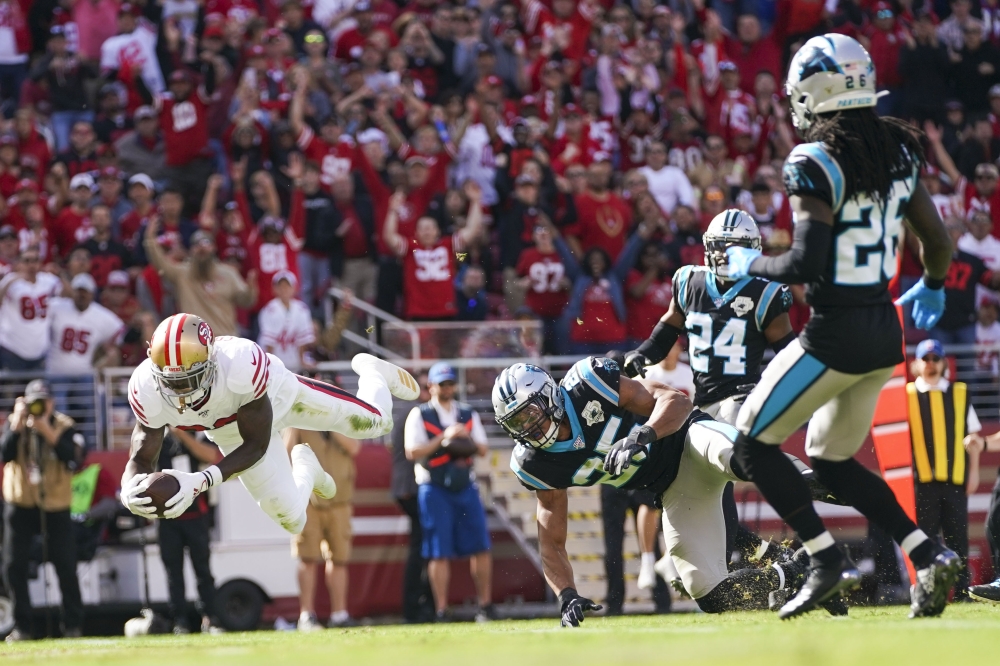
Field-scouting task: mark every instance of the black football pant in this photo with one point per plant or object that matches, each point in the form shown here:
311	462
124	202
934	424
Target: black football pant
418	600
21	526
942	508
615	503
175	536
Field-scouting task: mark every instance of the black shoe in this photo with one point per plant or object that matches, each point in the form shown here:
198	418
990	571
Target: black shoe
989	593
835	606
823	583
487	613
444	617
929	595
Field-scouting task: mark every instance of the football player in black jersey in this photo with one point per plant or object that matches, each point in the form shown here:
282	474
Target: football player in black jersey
850	187
729	322
598	426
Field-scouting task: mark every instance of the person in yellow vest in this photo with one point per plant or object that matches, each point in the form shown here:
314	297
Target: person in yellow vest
41	450
327	534
944	431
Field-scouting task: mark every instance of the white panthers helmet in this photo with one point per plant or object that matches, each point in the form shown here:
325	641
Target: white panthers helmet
728	228
829	73
524	396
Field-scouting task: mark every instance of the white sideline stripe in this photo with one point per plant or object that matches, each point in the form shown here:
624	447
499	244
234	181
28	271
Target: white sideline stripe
890	428
898	473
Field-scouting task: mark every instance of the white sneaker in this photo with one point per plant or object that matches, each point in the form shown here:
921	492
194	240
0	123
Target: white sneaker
647	576
401	383
309	622
666	570
323	483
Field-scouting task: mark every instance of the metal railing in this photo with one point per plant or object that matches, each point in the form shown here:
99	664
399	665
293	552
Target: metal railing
375	316
99	403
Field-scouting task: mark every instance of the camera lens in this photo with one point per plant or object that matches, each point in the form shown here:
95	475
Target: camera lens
37	408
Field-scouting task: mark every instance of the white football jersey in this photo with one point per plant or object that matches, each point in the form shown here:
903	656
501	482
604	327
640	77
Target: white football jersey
77	335
283	330
244	373
137	50
24	326
476	162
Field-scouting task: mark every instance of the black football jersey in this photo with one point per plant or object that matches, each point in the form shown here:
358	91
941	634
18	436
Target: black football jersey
590	395
726	339
854	327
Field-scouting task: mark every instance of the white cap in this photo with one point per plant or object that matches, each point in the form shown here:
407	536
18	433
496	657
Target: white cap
82	180
84	281
285	275
118	279
374	135
142	179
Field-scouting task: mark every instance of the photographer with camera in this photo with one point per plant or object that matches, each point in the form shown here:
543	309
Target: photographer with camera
442	435
41	449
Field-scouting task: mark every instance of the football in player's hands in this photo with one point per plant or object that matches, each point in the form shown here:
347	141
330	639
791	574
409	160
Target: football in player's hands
162	487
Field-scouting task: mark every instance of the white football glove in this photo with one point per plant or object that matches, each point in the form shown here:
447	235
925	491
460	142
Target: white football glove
131	490
192	485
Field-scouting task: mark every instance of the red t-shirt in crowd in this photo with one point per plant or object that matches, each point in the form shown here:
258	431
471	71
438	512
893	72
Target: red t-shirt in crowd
428	279
271	258
184	125
645	312
70	229
597	321
334	162
130	224
546	295
602	222
974	202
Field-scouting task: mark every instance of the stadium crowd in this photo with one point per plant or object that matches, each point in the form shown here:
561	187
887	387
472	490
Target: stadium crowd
443	161
460	160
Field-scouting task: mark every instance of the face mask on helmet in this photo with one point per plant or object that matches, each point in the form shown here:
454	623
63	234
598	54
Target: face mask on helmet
535	422
184	389
730	228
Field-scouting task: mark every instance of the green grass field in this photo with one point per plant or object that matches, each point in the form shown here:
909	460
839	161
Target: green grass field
967	634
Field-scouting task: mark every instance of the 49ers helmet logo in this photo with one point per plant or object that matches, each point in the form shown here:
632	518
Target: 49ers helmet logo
205	335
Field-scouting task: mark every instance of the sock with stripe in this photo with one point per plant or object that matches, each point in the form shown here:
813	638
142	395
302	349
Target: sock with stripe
782	485
869	494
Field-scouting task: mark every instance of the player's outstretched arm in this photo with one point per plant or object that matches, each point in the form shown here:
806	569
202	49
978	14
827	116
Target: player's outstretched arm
935	243
666	408
806	259
779	333
552	526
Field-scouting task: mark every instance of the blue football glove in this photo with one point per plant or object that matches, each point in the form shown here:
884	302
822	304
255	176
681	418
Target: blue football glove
739	259
928	304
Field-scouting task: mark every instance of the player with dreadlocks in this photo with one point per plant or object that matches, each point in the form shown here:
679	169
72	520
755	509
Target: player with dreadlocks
851	188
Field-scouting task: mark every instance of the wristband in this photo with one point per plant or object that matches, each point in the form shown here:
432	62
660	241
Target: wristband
933	283
645	435
566	596
213	476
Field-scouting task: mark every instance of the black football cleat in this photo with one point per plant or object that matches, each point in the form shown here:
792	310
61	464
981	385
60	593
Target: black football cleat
929	595
835	606
823	583
795	568
989	593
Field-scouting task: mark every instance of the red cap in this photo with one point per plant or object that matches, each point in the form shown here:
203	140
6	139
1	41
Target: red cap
110	172
27	184
571	109
214	30
272	35
528	100
129	8
494	80
256	51
882	6
728	66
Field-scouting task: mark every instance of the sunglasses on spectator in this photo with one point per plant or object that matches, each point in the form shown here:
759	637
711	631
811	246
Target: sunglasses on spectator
716	146
884	14
315	39
932	358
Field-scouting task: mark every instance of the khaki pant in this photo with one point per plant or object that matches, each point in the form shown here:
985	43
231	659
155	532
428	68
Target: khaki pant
361	277
327	535
797	387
